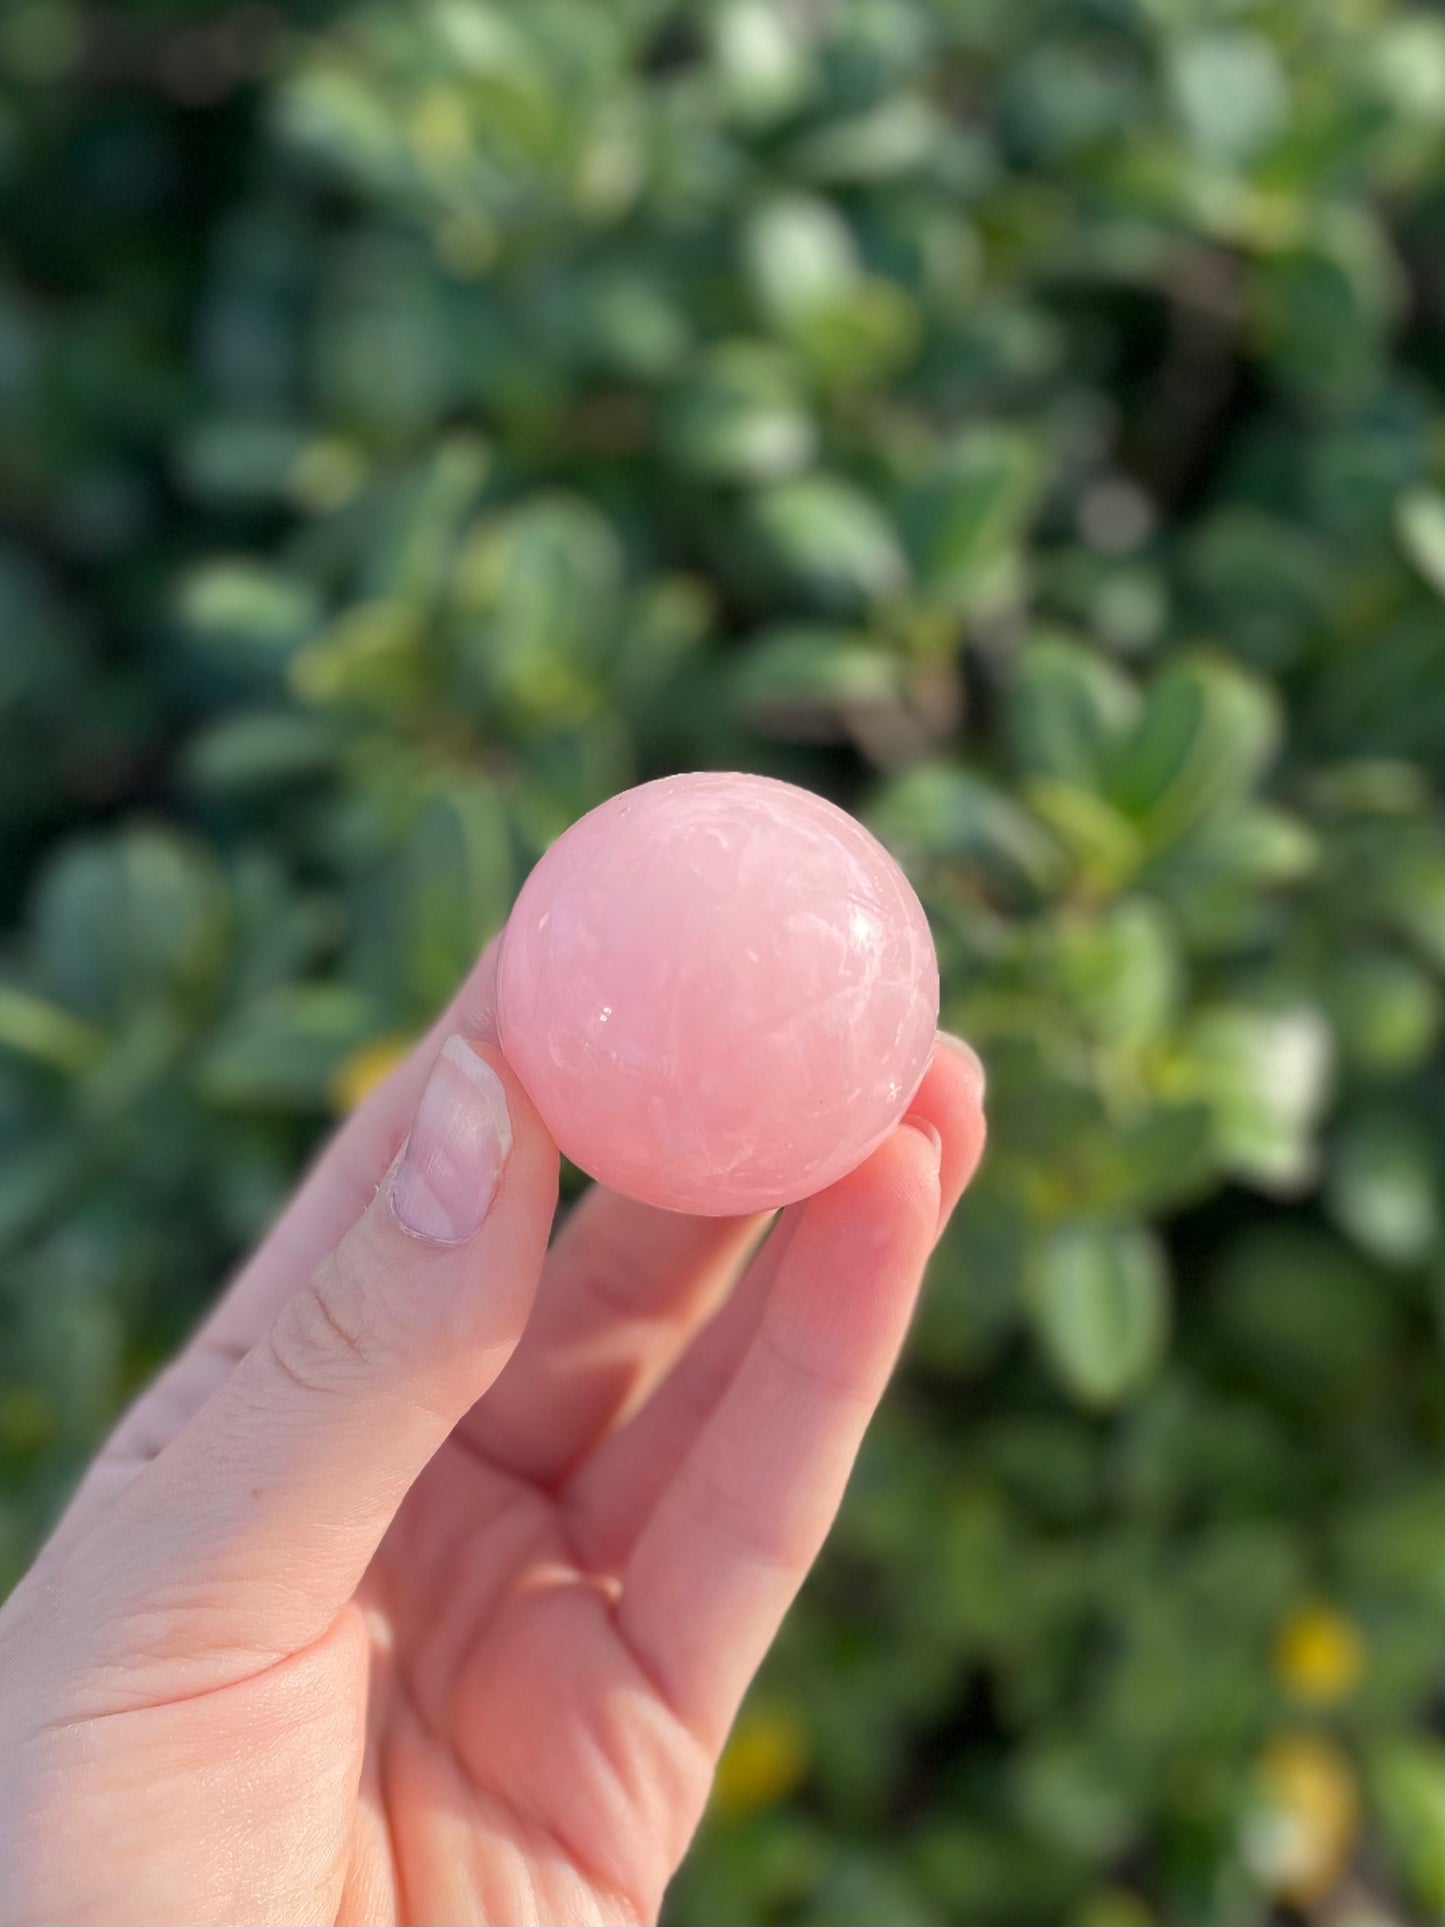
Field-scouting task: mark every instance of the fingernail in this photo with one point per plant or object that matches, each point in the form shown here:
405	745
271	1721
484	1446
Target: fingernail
915	1121
480	992
969	1055
448	1172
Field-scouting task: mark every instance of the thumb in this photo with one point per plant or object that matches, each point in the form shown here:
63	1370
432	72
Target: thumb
261	1516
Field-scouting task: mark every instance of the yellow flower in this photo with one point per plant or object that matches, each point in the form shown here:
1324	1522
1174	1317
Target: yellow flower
370	1064
1299	1836
765	1759
1319	1656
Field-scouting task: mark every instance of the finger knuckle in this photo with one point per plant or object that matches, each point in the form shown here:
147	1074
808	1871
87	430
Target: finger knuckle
327	1337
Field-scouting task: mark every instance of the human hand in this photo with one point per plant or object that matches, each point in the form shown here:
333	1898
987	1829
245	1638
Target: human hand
425	1583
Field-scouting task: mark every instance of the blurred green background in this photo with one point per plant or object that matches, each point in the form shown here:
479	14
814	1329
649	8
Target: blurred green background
1018	419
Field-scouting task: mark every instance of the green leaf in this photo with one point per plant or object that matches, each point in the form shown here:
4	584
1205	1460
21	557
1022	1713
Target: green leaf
894	138
1383	1186
33	1027
1420	525
1407	68
1106	848
424	913
1068	708
408	564
282	1052
1322	308
1265	1074
1265	582
762	59
941	812
1230	92
1220	878
1406	887
1077	1797
668	624
849	325
831	540
366	659
392	366
741	418
249	611
969	514
800	258
538	594
1207	733
634	325
1117	973
261	750
281	933
336	116
41	1182
240	460
861	337
1098	1297
810	681
860	1888
125	920
1403	1774
1386	1010
1153	1159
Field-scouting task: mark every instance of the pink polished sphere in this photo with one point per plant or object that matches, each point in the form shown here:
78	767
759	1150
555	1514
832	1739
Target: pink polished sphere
719	991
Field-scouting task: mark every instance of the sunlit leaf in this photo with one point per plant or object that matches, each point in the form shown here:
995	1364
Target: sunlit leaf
831	539
1098	1297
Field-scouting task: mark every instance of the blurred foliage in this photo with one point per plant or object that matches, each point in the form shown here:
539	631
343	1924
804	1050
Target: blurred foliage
423	417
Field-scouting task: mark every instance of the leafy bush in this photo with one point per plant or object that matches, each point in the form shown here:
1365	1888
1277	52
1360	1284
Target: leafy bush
424	417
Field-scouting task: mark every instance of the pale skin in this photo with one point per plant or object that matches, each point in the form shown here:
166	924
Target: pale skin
424	1585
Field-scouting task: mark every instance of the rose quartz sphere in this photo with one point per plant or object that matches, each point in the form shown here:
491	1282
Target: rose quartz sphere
719	991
